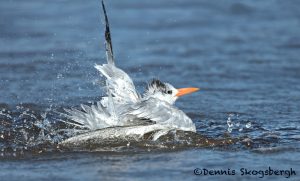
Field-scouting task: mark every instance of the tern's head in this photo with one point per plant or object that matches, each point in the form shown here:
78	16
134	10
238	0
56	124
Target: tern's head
166	92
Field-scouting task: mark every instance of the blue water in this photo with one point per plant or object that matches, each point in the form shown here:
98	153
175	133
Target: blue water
243	55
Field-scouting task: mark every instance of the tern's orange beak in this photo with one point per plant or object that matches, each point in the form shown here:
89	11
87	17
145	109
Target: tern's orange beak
184	91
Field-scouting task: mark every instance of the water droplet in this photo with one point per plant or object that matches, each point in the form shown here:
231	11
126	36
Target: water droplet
248	125
229	123
59	76
229	129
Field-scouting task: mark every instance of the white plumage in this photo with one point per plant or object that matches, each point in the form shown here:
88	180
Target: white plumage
123	106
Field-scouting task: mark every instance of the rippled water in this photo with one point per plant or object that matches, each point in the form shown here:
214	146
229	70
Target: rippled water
243	55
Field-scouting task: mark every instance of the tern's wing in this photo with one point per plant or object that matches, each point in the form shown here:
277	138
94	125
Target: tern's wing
162	113
119	83
108	42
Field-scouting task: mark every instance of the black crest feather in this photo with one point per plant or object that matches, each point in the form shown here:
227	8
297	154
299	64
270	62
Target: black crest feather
157	85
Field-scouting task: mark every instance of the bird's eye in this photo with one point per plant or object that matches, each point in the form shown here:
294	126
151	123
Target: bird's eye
169	92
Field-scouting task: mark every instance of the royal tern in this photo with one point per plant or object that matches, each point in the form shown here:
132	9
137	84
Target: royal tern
124	106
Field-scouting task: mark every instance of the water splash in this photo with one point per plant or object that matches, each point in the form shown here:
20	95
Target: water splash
29	130
26	129
248	125
235	123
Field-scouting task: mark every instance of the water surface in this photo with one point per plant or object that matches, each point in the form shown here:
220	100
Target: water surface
243	55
